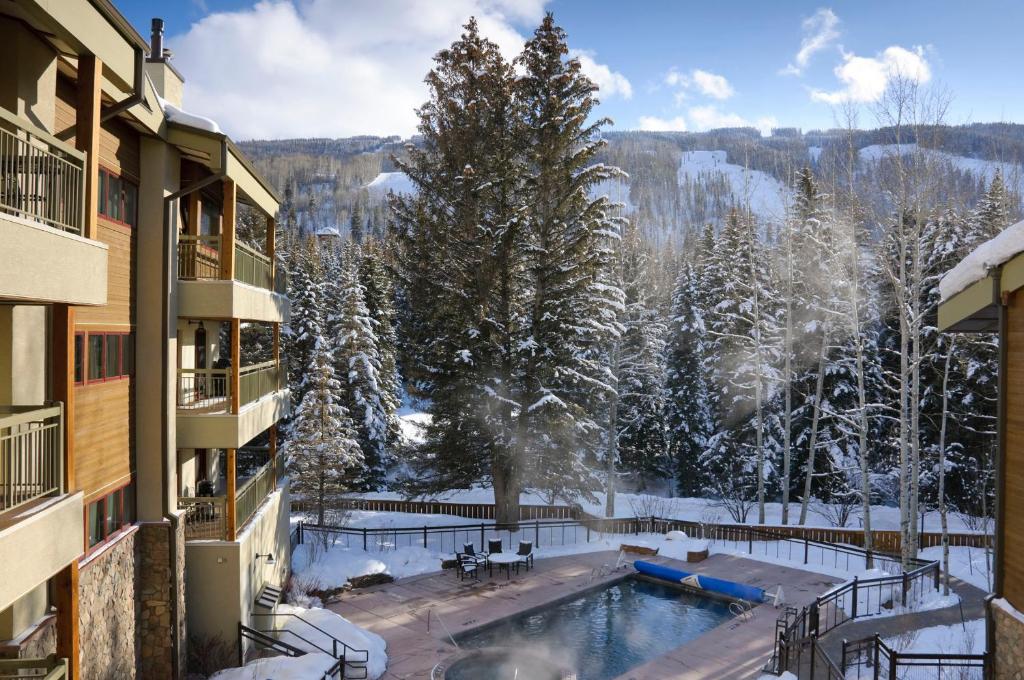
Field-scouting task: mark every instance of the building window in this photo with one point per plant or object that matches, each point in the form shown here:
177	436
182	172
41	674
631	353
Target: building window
109	356
119	198
79	358
108	515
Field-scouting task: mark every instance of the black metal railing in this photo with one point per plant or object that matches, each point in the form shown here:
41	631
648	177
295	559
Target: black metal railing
352	659
872	659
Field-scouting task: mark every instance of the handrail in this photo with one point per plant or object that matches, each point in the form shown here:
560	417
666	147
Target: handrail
41	177
873	653
251	494
252	267
204	388
198	257
335	641
40	134
31	453
258	380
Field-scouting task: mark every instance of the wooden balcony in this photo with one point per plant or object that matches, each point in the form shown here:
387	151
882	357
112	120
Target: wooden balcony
42	220
221	517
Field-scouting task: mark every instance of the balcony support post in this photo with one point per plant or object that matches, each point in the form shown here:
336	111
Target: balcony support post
227	240
232	481
87	135
195	211
273	456
63	328
68	636
272	247
236	364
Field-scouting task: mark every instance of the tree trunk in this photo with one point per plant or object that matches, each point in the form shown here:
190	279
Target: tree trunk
943	513
815	418
506	492
787	386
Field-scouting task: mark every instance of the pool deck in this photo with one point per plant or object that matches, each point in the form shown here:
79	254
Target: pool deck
412	614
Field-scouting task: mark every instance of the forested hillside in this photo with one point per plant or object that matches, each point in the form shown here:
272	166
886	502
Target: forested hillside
716	314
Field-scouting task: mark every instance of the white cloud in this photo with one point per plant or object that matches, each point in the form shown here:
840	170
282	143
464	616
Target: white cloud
286	68
709	84
709	118
820	30
864	79
712	85
655	124
611	83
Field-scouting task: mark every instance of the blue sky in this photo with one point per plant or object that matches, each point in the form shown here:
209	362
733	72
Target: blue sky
282	68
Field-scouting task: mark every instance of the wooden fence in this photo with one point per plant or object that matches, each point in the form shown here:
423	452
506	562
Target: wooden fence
884	541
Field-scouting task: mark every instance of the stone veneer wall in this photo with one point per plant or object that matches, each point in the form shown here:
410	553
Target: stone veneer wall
1009	645
38	644
156	612
107	586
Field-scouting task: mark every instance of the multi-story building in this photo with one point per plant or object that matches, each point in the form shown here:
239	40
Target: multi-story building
142	500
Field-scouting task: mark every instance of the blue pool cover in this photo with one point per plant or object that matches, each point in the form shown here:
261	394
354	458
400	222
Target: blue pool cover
701	582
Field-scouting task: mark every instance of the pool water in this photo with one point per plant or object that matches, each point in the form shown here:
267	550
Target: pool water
605	632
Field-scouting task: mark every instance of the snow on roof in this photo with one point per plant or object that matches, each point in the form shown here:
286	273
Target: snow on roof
328	231
985	257
182	117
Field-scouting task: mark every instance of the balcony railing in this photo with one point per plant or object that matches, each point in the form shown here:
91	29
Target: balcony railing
31	453
259	380
41	177
50	668
204	389
198	257
252	267
206	518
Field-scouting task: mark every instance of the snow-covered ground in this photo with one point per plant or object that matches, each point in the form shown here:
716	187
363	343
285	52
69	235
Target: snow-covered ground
766	195
883	517
313	636
411	425
617	191
384	182
979	168
962	638
973	565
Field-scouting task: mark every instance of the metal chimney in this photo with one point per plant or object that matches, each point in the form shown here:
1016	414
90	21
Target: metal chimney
156	41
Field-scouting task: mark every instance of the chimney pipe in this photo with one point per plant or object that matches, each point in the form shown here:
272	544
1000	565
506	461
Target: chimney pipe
156	41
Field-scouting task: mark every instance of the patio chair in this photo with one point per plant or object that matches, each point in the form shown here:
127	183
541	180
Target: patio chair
493	546
525	553
468	565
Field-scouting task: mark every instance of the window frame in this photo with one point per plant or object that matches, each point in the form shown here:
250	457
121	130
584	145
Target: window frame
113	506
123	338
106	175
79	379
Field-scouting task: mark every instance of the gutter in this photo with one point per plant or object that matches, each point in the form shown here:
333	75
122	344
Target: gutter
169	270
1001	414
138	90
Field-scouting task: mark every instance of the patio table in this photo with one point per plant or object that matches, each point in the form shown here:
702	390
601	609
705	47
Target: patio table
504	561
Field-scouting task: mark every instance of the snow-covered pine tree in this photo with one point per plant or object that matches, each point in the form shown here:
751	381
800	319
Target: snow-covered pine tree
460	234
640	377
379	295
357	222
357	358
744	323
992	214
307	323
690	401
572	319
324	456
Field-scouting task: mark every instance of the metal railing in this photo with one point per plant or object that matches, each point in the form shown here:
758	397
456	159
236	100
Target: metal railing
198	257
204	389
251	494
49	668
41	177
31	453
253	267
353	659
872	659
259	380
205	517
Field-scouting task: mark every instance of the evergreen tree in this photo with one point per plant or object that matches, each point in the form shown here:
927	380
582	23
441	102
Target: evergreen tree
993	212
357	221
324	456
379	295
308	297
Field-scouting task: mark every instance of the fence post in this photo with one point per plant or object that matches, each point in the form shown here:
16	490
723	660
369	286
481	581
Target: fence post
842	663
906	587
482	525
854	613
364	539
750	542
877	640
937	575
893	663
588	533
424	538
301	537
807	548
814	653
536	531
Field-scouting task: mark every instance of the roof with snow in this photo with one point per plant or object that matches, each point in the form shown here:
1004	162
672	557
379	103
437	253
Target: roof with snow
328	231
971	291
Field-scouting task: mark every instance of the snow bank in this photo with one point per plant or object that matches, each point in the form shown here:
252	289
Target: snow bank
384	182
965	638
335	566
280	668
766	195
334	625
973	565
976	266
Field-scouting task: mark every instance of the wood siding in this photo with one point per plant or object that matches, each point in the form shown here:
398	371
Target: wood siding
1012	559
103	411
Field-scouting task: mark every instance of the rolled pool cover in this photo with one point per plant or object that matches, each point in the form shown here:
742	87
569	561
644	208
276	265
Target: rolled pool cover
701	582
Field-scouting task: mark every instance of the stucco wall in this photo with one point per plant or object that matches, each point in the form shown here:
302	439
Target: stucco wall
107	588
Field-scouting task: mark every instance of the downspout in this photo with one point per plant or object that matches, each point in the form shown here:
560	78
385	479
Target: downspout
1002	378
169	271
136	97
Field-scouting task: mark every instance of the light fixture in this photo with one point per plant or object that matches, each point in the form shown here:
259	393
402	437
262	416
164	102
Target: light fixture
269	556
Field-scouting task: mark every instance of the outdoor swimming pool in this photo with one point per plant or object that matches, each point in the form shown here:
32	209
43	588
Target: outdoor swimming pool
600	634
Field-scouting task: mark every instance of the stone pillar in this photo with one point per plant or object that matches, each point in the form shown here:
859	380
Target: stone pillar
107	611
1008	639
161	604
